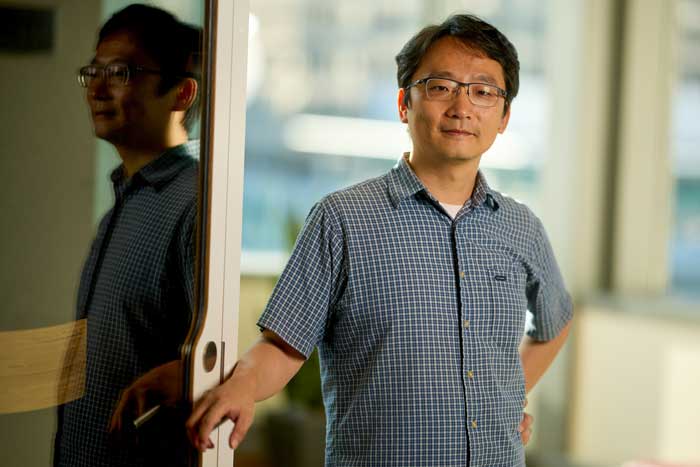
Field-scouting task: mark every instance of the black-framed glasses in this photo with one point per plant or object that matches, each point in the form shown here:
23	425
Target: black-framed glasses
446	89
114	74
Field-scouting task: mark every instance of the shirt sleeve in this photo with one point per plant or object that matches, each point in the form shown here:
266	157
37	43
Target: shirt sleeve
548	299
186	253
310	285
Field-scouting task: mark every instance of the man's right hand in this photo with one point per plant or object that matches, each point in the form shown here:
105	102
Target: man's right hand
262	372
235	400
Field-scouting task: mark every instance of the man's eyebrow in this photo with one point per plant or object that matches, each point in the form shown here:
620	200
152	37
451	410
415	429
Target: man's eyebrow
485	78
95	61
441	74
480	77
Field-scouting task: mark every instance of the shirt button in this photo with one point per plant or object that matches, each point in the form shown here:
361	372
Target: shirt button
465	323
470	373
473	423
461	274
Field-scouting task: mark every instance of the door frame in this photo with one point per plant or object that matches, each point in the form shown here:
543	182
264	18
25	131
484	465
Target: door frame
221	213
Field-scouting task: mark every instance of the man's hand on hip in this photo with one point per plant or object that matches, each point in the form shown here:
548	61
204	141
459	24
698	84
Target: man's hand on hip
525	427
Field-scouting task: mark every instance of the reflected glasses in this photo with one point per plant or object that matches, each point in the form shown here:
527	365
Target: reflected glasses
114	74
445	89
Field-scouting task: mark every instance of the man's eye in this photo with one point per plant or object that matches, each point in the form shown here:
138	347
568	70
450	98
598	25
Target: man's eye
117	71
89	72
485	91
438	88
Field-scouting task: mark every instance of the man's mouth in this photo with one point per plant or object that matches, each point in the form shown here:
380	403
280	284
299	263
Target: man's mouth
103	114
458	132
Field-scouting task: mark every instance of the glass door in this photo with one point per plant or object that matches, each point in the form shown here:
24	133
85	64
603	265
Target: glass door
102	205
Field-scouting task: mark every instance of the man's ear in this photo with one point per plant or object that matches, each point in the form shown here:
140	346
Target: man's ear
504	120
402	105
186	94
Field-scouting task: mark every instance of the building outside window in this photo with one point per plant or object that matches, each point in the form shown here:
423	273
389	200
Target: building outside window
685	237
322	106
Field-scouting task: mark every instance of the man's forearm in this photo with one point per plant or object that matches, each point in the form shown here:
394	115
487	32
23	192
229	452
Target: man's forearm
537	356
268	366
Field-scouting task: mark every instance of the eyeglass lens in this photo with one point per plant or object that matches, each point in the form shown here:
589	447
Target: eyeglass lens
480	94
114	74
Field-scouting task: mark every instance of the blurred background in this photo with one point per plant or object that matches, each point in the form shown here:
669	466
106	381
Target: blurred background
603	144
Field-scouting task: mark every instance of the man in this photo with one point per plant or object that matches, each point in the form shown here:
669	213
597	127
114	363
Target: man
414	286
136	288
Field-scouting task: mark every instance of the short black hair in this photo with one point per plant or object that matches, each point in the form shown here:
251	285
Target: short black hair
172	44
474	33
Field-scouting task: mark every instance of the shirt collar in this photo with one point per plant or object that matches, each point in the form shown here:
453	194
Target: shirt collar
482	193
163	168
403	182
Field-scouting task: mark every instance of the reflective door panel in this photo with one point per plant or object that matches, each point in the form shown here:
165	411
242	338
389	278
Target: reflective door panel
98	244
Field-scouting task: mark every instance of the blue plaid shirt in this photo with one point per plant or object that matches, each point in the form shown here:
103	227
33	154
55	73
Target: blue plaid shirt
136	291
418	318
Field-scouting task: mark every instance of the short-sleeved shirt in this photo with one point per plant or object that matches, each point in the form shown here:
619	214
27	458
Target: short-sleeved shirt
418	318
136	292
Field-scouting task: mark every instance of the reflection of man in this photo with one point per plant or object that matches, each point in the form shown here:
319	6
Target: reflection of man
415	285
136	289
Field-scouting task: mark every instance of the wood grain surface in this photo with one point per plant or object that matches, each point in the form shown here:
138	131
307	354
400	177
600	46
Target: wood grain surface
42	367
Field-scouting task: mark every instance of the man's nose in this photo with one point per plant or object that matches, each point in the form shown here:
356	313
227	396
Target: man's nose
460	105
98	87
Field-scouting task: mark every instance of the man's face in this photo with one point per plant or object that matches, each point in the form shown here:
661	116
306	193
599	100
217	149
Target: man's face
133	114
455	130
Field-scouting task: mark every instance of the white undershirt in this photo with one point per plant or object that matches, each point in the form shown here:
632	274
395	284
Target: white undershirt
452	209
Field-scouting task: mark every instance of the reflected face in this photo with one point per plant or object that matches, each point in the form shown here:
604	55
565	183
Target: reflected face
133	114
455	130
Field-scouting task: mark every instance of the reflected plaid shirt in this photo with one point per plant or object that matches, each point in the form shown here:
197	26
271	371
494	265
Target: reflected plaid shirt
418	318
136	292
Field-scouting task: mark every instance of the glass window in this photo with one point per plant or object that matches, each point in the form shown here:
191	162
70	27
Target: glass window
322	105
685	237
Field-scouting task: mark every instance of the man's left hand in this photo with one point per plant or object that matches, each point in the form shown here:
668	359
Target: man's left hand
162	385
525	427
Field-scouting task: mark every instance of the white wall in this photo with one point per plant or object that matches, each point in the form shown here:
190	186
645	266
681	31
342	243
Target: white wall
636	383
47	166
47	169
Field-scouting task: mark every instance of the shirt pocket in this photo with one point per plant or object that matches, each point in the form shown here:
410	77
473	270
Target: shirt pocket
507	283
